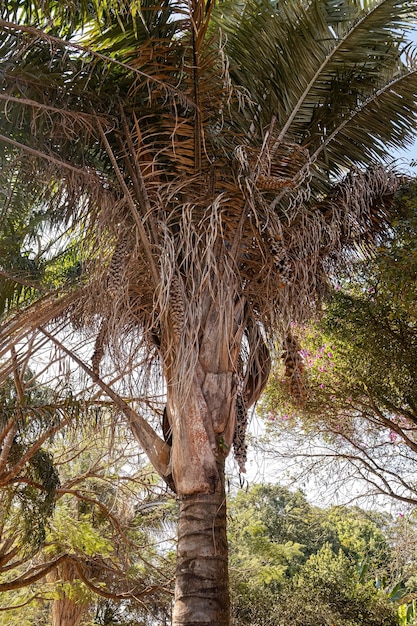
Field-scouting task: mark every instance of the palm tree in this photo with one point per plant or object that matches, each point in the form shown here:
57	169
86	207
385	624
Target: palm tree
214	162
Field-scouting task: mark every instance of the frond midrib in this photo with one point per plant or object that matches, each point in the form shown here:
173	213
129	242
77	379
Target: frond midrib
322	67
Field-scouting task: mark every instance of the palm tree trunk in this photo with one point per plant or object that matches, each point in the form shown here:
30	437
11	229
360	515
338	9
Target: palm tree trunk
202	582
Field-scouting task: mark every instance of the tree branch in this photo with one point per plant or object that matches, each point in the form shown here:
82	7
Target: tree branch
157	451
25	580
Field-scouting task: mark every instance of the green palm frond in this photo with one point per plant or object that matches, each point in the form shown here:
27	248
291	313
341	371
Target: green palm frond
329	60
67	18
388	113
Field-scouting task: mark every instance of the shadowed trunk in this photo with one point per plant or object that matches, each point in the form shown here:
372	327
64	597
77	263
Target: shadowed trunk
67	610
202	583
203	433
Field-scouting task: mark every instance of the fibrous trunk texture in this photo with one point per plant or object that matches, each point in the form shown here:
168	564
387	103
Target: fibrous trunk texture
67	611
202	583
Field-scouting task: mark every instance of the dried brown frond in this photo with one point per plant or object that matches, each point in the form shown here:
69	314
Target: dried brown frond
294	368
193	211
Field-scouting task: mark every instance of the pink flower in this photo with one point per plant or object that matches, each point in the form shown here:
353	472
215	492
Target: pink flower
322	386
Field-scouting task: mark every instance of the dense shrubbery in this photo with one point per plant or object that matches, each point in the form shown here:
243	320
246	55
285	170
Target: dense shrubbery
296	564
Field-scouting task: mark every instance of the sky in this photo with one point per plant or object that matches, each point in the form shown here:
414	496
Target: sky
407	155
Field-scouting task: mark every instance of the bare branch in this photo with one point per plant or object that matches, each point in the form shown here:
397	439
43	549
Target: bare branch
156	449
28	578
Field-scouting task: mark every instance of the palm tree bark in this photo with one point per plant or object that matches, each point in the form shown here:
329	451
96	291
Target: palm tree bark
202	584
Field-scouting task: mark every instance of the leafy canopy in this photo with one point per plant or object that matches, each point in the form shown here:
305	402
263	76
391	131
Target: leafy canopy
359	365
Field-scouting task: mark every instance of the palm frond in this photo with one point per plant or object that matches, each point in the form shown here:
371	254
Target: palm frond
345	55
388	113
217	180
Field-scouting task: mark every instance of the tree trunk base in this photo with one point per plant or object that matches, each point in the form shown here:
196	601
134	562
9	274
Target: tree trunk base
202	584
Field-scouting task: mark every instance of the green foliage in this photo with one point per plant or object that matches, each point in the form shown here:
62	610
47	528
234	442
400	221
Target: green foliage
395	272
330	584
35	614
408	614
256	559
33	506
314	101
288	517
361	536
75	533
360	361
35	253
112	519
21	222
322	582
28	498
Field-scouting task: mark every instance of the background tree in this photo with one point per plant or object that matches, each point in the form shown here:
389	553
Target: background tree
100	547
360	369
340	570
210	189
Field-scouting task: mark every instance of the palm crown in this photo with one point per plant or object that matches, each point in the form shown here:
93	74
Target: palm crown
200	166
212	163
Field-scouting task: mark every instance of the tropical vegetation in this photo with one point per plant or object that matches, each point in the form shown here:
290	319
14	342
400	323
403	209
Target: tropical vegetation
198	189
105	546
359	371
294	563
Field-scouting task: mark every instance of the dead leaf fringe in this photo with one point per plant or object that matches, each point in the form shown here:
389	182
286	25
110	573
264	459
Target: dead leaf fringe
186	208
